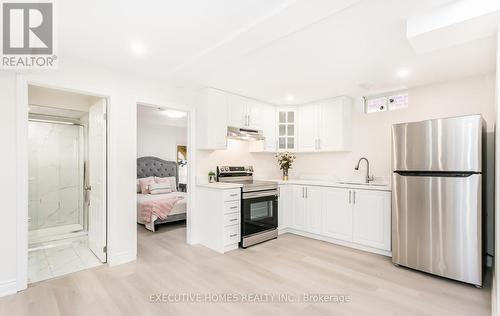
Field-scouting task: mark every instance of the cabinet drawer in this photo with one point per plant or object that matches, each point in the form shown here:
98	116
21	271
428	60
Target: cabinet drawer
231	195
232	207
231	234
232	219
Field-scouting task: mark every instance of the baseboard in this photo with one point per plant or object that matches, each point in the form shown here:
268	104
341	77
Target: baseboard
8	287
335	241
121	258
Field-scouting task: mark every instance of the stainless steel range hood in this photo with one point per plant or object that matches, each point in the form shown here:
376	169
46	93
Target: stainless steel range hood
244	133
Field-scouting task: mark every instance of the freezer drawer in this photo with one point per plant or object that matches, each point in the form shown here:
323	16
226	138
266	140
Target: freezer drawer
450	144
436	225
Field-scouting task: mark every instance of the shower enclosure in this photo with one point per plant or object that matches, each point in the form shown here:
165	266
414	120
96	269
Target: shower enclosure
56	171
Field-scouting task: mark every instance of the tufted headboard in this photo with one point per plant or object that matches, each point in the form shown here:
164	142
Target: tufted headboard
156	167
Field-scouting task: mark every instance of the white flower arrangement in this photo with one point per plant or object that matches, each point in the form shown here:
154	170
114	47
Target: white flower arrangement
285	160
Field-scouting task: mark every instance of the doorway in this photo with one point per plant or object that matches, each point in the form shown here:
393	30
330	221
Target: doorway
163	166
66	182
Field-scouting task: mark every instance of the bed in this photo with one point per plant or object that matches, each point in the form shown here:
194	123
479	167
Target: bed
156	167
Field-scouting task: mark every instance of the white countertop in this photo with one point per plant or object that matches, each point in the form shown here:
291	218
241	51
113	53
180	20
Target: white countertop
220	185
324	183
333	183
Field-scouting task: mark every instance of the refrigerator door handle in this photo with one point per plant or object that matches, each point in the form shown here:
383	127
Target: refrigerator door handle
448	174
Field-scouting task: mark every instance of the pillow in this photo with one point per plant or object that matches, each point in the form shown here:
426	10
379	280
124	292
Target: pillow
160	188
144	183
171	180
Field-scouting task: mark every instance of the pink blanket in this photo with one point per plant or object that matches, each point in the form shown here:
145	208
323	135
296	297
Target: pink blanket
161	208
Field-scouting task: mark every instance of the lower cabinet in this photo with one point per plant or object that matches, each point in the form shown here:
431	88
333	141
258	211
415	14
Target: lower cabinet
361	217
337	213
371	222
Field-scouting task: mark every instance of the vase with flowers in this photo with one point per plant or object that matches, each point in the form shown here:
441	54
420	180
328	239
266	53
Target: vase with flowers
285	161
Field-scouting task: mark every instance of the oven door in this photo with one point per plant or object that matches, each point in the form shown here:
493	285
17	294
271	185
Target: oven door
259	212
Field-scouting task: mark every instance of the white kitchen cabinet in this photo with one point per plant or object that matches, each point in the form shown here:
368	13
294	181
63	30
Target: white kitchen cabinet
324	126
263	117
284	206
352	217
299	217
286	133
307	126
337	213
221	217
314	207
211	125
334	128
372	218
237	111
307	204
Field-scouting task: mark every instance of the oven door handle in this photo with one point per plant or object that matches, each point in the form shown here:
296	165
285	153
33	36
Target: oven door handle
258	194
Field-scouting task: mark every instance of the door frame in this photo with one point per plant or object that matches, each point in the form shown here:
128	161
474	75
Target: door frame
22	105
190	130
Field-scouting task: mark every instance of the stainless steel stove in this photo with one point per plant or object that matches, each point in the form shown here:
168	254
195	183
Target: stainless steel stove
259	204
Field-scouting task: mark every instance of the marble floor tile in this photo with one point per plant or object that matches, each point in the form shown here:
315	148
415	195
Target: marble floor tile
52	260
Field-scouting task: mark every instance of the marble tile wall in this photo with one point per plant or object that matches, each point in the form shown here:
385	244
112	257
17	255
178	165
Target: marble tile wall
55	169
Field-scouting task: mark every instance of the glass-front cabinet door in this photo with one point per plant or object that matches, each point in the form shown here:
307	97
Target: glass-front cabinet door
286	130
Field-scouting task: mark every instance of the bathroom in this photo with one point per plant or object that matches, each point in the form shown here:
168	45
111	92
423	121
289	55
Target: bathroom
66	182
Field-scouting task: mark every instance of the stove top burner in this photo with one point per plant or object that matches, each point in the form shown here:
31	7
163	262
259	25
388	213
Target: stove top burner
244	176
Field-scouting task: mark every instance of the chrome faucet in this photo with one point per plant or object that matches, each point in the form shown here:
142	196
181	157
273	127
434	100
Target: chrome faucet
368	178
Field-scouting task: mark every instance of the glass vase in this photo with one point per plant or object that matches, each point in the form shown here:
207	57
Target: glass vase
285	174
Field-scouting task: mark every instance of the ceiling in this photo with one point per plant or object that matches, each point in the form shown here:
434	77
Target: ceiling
279	51
148	115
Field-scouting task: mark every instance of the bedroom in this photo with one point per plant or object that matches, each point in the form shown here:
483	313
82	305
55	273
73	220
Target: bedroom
162	169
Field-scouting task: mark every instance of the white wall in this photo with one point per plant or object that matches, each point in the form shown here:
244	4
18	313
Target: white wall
61	99
159	140
236	154
8	184
124	92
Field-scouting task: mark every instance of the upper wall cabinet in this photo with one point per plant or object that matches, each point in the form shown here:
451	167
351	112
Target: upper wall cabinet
237	111
287	129
325	126
211	122
216	110
248	113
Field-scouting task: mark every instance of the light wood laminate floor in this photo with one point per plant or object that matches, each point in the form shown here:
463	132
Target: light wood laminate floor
289	265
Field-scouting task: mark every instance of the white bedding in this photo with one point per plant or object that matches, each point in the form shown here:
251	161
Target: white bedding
179	207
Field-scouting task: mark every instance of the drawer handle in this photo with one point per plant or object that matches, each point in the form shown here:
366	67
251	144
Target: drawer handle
233	235
234	194
233	207
233	219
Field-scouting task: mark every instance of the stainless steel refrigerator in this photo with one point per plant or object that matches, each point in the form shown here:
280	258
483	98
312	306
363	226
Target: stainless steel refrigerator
437	196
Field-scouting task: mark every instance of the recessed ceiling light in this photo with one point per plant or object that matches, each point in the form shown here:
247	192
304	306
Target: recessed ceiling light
137	48
173	113
402	73
290	98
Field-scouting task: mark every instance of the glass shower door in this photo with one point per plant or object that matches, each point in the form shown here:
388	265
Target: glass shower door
56	178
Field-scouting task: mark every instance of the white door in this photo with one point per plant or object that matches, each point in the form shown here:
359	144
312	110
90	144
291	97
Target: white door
307	130
268	126
330	126
337	213
284	206
299	219
313	209
97	179
372	218
237	111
